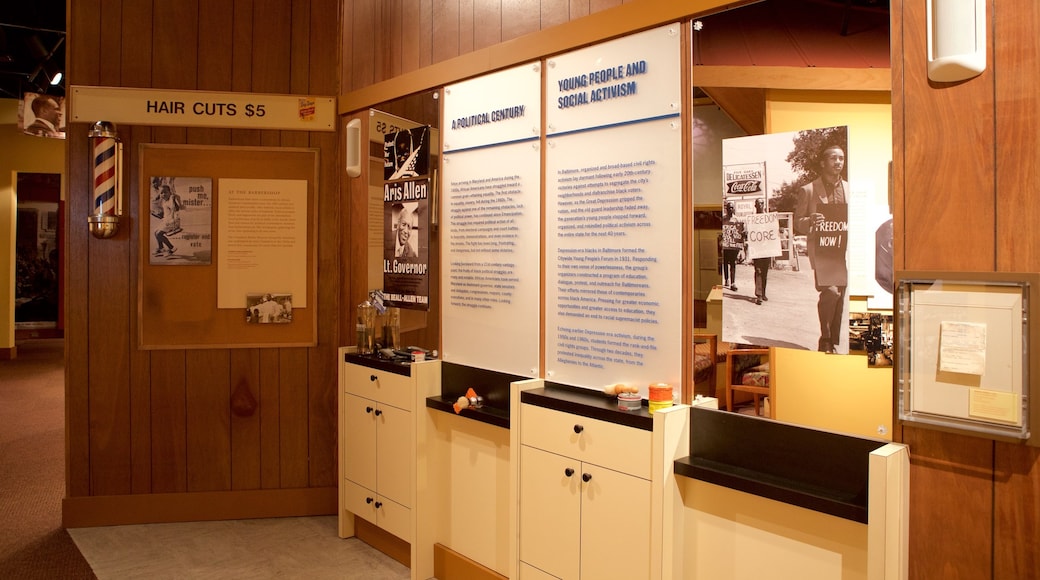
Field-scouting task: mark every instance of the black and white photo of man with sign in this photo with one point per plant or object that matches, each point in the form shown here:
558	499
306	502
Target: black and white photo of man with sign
798	214
822	215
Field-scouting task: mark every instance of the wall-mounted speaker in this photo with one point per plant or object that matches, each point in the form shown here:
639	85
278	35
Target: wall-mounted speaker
956	39
354	148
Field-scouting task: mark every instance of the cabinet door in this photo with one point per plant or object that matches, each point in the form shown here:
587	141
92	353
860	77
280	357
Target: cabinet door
394	460
550	512
359	446
615	525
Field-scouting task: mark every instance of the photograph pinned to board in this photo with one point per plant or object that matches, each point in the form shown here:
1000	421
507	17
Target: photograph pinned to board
269	308
879	340
181	221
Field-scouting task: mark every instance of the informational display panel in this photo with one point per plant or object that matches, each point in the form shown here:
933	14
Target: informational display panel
490	284
613	213
964	362
264	249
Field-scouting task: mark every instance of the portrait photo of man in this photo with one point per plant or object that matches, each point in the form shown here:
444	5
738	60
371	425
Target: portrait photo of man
46	116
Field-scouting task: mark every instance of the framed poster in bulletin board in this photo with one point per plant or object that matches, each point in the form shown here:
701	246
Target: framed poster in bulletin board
966	355
227	247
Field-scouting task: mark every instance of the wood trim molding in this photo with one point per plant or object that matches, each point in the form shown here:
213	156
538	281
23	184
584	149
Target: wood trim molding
112	510
793	77
448	563
596	27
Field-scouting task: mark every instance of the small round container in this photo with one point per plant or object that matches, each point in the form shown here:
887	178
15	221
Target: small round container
629	401
660	396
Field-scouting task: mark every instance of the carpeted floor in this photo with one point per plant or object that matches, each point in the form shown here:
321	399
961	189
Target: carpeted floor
32	466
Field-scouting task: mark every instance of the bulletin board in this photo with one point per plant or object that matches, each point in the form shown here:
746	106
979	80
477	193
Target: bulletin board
178	297
966	352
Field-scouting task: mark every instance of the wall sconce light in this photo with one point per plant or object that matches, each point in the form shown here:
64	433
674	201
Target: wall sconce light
107	162
956	39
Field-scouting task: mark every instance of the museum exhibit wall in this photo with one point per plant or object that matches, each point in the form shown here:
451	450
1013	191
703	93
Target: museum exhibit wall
151	434
966	166
18	153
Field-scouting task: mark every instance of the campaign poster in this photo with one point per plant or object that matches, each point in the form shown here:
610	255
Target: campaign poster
406	154
406	244
181	220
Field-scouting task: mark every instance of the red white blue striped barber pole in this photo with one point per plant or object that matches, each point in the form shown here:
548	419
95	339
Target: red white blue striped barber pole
104	175
106	159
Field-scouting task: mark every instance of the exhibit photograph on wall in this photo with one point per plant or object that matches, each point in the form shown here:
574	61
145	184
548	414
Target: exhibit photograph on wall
406	244
784	192
181	221
268	308
406	154
42	115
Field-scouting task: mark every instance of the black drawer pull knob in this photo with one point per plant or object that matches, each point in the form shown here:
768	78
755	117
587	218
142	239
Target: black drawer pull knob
586	477
378	412
372	378
568	472
368	409
578	428
379	504
368	500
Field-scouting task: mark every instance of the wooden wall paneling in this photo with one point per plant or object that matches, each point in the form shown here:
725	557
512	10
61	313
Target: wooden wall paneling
215	70
270	419
111	44
140	360
424	10
466	26
109	301
241	45
488	32
600	5
244	383
169	421
136	44
1016	545
1018	161
445	29
83	63
520	17
300	48
293	376
951	505
948	129
272	46
554	12
175	44
898	175
365	32
395	36
325	45
208	395
579	8
136	70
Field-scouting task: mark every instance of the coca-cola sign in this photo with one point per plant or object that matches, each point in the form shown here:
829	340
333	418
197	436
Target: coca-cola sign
744	186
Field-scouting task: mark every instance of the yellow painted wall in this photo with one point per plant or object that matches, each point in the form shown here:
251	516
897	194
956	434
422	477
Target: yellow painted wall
18	153
837	393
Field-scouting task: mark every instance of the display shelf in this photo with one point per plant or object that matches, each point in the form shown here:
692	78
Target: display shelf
587	403
485	414
818	470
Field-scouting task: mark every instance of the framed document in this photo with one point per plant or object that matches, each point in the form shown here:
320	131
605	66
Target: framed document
965	352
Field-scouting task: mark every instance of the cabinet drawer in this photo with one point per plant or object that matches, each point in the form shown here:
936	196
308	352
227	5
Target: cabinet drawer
389	388
617	447
389	515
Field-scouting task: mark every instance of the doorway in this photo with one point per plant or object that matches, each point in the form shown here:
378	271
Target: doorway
39	273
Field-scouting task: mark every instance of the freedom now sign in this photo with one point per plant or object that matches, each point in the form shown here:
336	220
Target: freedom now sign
128	106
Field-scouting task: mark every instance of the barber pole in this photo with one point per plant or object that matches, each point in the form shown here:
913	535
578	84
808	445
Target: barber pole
106	159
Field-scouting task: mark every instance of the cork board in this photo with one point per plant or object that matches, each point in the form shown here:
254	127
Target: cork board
178	290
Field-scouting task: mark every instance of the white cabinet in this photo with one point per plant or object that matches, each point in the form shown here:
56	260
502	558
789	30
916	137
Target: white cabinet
585	497
382	429
376	446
